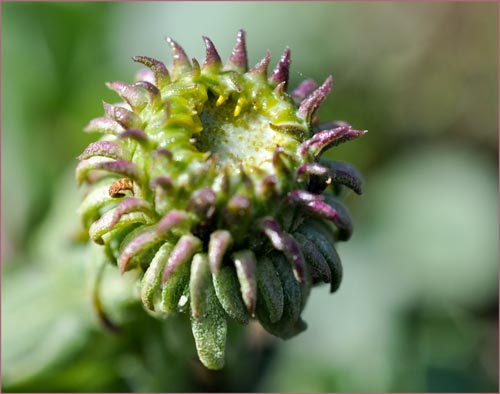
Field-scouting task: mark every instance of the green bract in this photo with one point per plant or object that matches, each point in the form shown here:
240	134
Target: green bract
208	181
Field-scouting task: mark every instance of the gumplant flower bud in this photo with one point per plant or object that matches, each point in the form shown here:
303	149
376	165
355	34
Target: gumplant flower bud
209	181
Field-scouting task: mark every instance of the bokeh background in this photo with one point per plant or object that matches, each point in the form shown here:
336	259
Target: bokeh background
418	308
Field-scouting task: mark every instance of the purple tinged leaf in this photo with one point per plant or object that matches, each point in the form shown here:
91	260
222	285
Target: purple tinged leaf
212	58
342	219
319	268
107	149
238	61
153	91
178	277
281	72
219	244
246	270
309	106
350	135
308	169
99	229
285	243
171	220
260	69
181	61
144	240
131	204
198	284
159	69
103	125
134	97
239	203
272	229
108	221
344	174
301	196
304	89
202	203
321	140
295	257
184	250
237	209
119	167
314	205
123	116
134	134
323	210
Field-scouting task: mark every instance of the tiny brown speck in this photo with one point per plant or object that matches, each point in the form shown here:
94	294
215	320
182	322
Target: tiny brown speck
116	188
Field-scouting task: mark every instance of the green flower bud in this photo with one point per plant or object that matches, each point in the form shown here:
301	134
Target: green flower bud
209	182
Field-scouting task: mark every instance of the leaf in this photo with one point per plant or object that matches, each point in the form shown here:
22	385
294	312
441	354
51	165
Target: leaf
152	277
245	264
176	273
270	290
290	323
321	239
208	321
228	292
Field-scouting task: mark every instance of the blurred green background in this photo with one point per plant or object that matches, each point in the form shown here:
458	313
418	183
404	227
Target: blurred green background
418	308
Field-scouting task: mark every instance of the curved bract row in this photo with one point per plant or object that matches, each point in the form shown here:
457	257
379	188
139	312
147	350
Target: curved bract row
209	181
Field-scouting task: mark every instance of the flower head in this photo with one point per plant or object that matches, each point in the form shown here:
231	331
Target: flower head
209	182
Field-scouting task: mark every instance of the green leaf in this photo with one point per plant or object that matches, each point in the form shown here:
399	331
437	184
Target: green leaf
176	273
245	264
318	235
290	323
228	292
208	320
152	277
270	290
